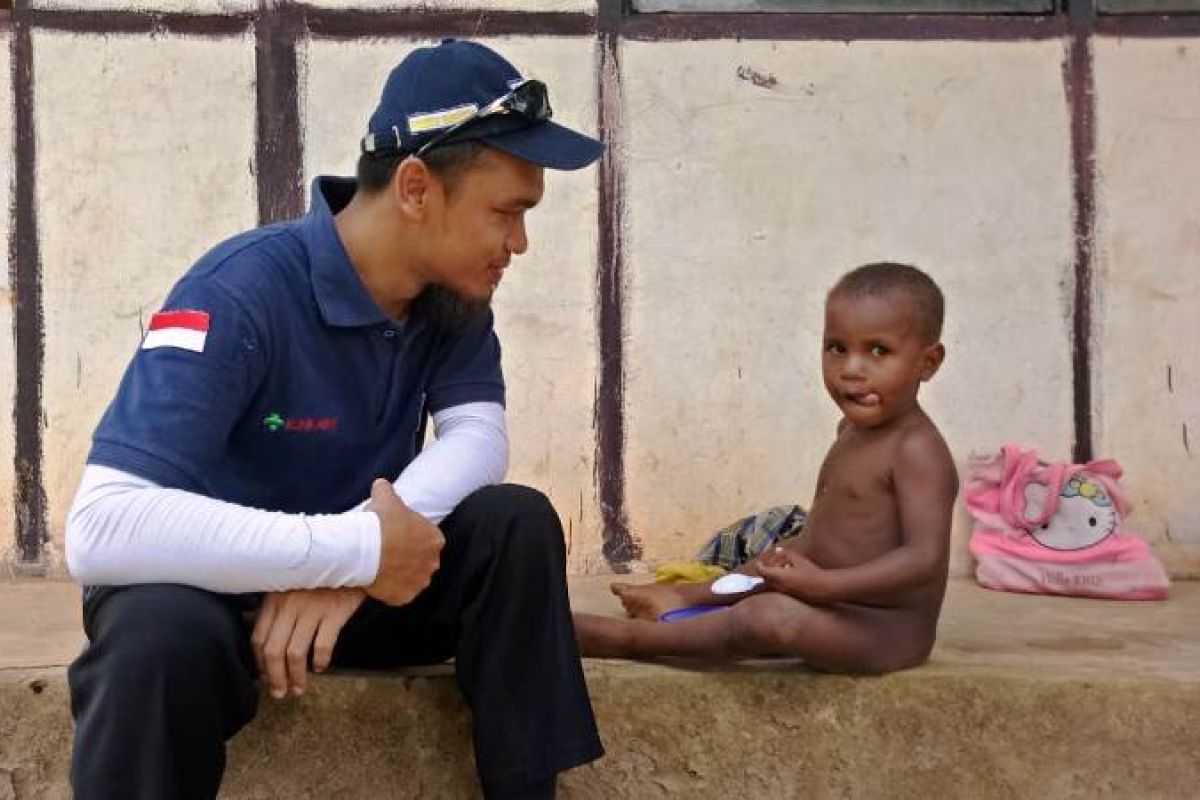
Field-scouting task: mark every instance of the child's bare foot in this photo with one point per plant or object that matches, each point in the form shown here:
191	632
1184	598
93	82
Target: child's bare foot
648	601
601	636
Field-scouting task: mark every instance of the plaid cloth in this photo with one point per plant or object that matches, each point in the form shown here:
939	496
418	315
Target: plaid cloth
736	544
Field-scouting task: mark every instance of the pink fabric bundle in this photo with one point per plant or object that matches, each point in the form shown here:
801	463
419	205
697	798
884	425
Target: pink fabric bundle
1056	529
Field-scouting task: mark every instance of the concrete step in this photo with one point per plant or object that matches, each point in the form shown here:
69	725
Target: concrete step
1025	697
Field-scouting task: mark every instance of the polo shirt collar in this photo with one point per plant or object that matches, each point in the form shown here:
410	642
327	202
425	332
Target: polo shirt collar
341	296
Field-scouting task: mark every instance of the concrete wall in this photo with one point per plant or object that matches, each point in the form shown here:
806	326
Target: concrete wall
7	357
167	174
1148	284
755	172
746	204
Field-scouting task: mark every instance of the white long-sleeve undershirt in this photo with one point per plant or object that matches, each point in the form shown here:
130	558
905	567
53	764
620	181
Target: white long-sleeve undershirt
123	529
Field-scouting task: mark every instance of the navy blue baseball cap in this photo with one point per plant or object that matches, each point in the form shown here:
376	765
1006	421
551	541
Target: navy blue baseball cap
446	93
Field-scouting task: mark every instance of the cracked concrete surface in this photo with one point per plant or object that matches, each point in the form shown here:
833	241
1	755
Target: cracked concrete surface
1025	697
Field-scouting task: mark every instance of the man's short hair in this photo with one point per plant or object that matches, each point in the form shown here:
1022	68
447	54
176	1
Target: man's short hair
885	277
449	162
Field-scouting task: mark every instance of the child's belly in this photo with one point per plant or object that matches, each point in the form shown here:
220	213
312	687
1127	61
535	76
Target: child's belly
837	549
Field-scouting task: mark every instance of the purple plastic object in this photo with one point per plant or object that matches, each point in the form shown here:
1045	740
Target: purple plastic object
676	614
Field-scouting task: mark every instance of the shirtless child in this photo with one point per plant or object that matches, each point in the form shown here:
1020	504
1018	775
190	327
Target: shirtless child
861	589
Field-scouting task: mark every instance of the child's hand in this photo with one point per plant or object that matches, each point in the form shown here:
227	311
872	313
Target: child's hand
776	557
790	573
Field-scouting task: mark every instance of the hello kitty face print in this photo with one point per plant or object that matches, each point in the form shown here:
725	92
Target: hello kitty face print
1085	515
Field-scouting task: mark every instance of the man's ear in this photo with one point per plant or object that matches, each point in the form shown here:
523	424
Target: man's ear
412	187
931	360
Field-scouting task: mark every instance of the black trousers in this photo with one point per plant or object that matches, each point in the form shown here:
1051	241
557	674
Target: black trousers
169	676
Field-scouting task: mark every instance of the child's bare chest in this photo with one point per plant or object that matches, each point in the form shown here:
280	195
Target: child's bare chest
857	469
854	515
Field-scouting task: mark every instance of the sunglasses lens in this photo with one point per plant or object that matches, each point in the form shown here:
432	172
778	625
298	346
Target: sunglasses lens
529	100
532	101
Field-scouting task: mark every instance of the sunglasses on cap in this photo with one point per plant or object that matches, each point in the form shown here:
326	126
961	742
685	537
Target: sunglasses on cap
529	99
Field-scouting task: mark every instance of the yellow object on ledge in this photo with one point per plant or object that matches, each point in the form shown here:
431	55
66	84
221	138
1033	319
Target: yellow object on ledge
687	572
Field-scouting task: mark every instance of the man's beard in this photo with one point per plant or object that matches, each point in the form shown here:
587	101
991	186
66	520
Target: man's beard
446	310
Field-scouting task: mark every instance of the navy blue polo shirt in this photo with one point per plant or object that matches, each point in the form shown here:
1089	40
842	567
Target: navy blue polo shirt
304	391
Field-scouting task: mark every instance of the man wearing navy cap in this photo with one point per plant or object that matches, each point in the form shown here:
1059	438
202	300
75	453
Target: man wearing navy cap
287	377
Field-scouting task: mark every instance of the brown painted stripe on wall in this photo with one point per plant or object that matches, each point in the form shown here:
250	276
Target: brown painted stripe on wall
278	151
842	27
1150	26
619	545
25	279
111	21
426	23
359	23
1079	80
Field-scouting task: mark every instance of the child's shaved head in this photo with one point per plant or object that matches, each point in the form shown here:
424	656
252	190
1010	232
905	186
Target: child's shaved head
886	277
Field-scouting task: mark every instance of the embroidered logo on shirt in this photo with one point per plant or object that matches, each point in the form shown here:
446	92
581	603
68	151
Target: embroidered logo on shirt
276	422
185	330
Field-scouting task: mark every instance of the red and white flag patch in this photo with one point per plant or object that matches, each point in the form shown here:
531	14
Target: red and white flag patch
186	330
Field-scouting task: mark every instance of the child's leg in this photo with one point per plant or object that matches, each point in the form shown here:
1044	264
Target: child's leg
650	601
770	623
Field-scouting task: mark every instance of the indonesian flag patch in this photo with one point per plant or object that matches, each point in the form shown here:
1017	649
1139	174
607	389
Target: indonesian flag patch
186	330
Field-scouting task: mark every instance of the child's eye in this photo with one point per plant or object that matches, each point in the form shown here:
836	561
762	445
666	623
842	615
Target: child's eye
879	350
836	349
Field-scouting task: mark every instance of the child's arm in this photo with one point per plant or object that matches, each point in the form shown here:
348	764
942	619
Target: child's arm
926	485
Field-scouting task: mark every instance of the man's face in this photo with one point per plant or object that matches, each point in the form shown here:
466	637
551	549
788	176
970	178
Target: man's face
479	225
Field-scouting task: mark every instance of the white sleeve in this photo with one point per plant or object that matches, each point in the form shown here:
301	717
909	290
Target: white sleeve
471	452
123	529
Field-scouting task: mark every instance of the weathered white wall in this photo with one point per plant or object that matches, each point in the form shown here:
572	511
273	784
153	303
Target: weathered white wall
141	168
747	202
7	357
744	203
544	307
1147	376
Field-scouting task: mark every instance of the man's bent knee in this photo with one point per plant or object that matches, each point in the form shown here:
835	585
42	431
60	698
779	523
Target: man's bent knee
509	498
142	629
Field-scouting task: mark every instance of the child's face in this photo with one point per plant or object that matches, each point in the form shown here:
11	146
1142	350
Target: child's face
875	357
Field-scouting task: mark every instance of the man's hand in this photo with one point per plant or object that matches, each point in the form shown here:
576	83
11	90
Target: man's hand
290	624
410	548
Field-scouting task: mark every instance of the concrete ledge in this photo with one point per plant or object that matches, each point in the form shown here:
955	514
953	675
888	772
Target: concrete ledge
1025	698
